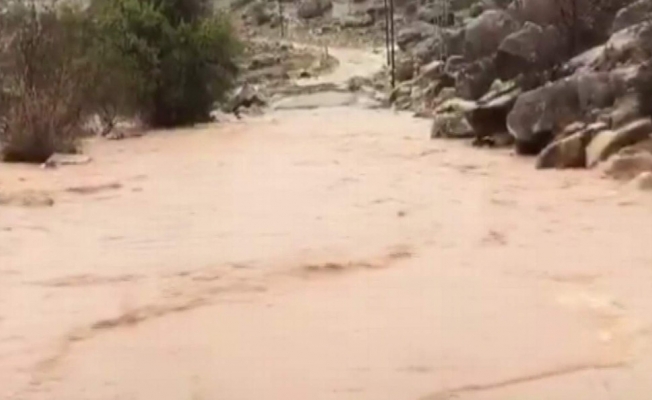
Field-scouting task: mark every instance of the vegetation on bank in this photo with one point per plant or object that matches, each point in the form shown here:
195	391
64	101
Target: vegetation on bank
165	62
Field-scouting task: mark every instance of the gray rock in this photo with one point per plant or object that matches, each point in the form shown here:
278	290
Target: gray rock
356	21
632	14
404	68
607	143
410	35
308	9
625	47
532	48
540	113
489	117
625	110
597	90
451	125
460	5
264	60
474	80
261	12
484	34
454	64
568	152
595	17
441	97
430	48
432	70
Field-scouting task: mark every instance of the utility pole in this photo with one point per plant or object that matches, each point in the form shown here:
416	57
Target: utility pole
386	8
443	9
392	41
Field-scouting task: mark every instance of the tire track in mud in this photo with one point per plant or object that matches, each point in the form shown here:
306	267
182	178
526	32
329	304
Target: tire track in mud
614	328
454	393
200	292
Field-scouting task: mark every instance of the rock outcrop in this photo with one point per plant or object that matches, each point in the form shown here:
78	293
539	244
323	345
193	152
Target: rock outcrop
633	14
532	48
608	142
569	152
489	117
483	35
308	9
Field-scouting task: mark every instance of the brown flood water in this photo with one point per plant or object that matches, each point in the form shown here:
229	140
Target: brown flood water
327	254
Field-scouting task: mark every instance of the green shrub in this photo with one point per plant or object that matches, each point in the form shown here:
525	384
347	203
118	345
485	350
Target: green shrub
167	62
174	56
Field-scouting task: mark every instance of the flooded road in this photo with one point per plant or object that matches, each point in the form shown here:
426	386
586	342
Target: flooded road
335	253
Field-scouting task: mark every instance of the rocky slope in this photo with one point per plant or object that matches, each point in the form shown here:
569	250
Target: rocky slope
569	81
573	91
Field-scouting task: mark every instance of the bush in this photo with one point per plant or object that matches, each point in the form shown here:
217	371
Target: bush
46	80
167	62
174	56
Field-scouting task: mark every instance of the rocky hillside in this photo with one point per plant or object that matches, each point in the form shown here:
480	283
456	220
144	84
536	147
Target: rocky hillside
566	80
569	81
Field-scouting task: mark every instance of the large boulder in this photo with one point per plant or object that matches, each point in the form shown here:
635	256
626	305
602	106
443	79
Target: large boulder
568	152
451	125
484	34
607	143
454	64
626	47
449	120
588	22
532	48
626	109
434	70
537	114
454	40
540	12
260	12
598	90
540	113
404	68
440	44
414	33
428	49
474	80
490	116
632	14
313	8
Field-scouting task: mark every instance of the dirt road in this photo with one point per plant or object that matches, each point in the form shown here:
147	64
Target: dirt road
326	254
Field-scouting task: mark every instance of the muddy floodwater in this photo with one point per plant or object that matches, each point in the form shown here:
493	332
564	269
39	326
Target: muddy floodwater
333	253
